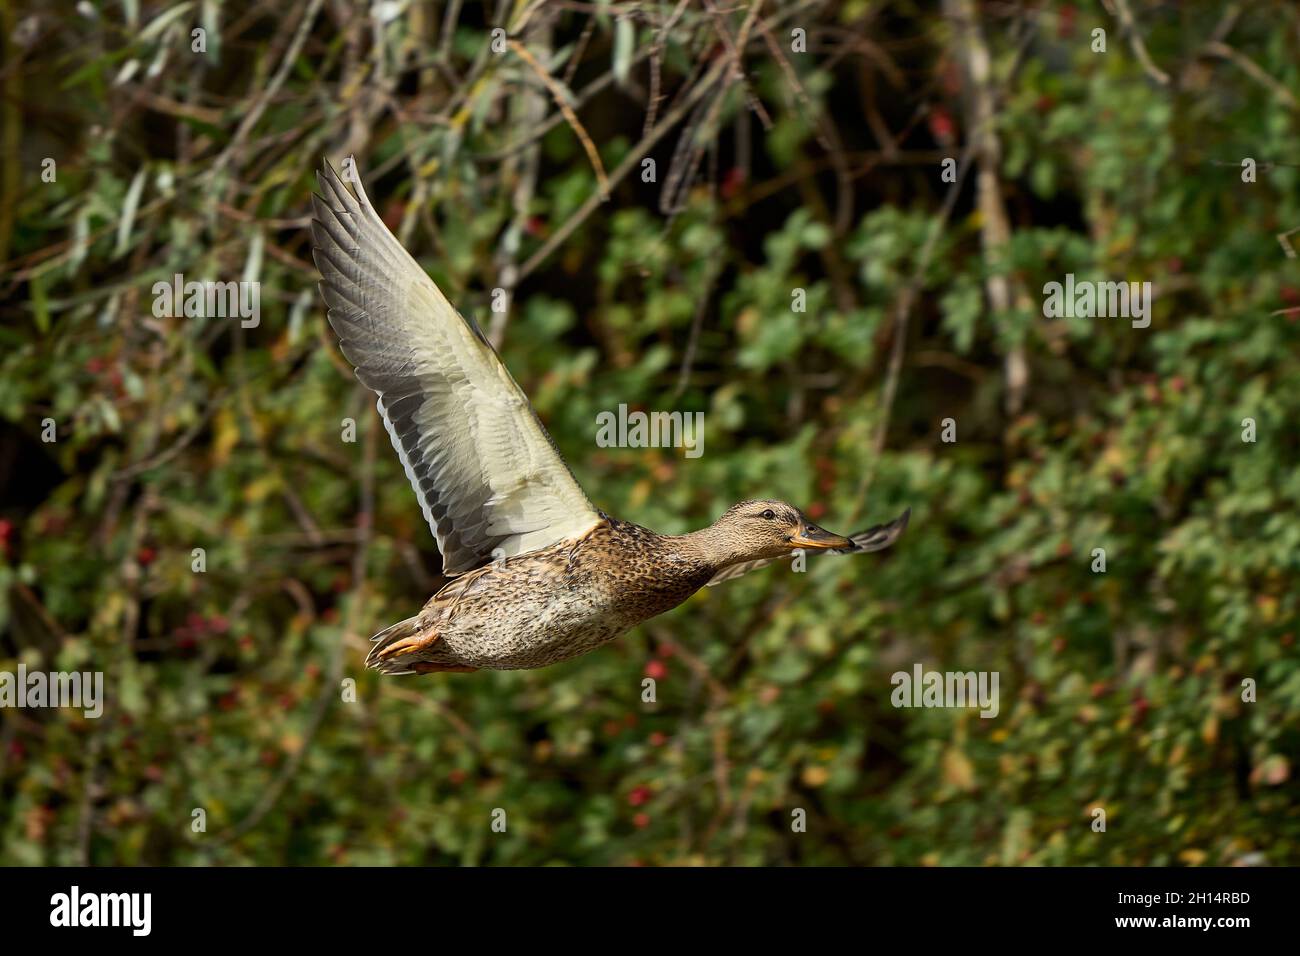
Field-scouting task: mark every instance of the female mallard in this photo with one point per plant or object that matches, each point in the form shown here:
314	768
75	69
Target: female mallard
538	574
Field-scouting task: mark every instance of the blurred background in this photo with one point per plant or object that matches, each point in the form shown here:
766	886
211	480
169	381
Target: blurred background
799	160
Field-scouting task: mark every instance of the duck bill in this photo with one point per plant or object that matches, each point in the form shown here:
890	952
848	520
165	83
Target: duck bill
810	537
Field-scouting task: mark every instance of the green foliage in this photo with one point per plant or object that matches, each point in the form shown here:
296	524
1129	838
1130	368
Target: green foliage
1119	690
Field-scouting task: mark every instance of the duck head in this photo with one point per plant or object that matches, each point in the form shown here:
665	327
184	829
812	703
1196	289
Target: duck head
768	529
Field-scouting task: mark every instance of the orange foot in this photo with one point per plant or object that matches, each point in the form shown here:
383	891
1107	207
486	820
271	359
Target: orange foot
407	645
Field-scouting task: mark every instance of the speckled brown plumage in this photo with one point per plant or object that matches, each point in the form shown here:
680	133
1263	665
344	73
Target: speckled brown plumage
550	605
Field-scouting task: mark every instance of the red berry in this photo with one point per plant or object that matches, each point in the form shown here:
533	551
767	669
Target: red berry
942	127
393	214
1140	707
656	669
731	182
1065	21
642	820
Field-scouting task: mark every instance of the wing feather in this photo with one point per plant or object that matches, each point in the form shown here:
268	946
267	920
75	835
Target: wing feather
486	473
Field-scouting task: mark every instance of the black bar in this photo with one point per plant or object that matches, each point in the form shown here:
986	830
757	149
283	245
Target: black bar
335	905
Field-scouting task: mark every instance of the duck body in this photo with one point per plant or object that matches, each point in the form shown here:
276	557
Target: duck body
548	605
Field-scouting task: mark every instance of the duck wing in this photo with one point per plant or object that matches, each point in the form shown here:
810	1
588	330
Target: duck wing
485	471
876	538
736	570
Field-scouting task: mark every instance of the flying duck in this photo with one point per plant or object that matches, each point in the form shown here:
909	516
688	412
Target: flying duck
538	574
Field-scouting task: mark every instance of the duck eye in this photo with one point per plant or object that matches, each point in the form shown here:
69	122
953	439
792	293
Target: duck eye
769	514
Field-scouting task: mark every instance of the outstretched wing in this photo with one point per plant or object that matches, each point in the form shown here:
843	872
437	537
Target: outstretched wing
485	471
875	538
736	570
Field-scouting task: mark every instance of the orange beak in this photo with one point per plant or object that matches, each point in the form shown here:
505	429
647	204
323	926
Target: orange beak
811	536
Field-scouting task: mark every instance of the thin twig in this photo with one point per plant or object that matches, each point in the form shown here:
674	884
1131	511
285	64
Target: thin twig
632	159
272	88
571	117
1253	70
656	63
1138	44
1284	239
527	110
692	343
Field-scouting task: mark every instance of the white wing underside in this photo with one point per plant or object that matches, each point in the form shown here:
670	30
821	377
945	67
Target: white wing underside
486	473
